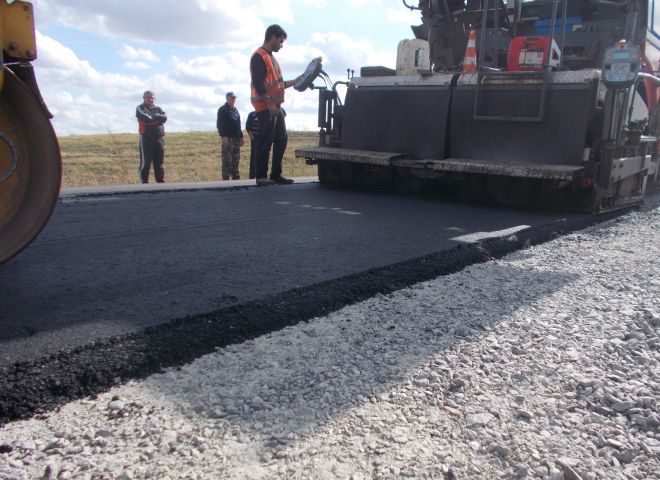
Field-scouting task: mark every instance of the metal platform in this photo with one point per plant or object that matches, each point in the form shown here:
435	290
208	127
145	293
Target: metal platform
364	157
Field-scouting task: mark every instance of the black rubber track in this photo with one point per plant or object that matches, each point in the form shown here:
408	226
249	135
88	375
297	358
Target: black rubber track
33	388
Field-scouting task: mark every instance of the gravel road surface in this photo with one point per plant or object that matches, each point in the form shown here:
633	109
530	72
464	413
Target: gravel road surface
542	364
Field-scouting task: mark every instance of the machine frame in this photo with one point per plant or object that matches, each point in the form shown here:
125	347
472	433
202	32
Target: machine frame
556	136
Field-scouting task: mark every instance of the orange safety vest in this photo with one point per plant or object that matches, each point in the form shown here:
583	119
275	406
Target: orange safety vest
274	82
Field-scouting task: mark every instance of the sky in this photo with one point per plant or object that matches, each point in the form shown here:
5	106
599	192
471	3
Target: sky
97	57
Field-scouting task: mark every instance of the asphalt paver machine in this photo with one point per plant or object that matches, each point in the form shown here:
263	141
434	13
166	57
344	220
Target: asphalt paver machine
30	163
561	110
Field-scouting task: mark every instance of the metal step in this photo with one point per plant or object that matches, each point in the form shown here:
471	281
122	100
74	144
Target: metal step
485	167
459	165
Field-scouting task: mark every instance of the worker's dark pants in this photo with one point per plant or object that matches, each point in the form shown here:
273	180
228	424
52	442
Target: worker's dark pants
152	151
253	157
272	132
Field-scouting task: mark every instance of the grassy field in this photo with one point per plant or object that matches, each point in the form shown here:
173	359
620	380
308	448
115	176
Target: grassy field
113	159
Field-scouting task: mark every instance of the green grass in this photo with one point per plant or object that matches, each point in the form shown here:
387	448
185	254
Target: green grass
113	159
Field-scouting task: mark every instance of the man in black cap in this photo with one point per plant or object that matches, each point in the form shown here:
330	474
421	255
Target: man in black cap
231	137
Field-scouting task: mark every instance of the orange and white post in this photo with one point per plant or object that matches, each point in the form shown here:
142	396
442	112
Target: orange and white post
470	61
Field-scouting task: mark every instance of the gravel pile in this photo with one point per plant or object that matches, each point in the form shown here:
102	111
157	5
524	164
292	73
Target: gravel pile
541	365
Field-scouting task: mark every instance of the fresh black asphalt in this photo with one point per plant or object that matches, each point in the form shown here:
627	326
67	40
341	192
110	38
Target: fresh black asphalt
120	286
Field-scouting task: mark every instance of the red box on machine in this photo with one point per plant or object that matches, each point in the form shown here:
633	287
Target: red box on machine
532	54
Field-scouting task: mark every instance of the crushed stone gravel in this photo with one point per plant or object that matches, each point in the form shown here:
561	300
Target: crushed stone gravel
542	364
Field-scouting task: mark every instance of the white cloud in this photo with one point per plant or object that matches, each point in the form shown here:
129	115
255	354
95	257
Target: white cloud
364	3
212	70
137	65
191	22
318	4
341	52
137	54
403	15
93	94
302	121
294	58
83	114
58	64
87	100
83	99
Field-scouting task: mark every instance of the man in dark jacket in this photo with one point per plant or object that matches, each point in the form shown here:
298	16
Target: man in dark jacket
252	128
231	136
152	146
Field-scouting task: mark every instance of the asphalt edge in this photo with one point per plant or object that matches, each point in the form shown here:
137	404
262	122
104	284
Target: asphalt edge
101	191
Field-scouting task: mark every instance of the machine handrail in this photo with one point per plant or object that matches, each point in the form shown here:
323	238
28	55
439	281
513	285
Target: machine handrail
648	76
545	75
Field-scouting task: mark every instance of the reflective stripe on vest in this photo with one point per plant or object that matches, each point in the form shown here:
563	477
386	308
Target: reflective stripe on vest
274	83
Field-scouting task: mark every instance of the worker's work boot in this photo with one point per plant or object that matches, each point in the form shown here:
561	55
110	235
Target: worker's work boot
282	180
264	182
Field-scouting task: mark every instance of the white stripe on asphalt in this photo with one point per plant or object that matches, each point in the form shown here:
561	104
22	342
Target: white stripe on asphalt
476	236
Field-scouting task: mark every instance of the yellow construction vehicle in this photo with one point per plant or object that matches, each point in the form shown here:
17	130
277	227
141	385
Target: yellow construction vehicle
30	162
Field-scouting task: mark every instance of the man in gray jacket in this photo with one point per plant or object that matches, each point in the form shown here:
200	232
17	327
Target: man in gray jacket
152	146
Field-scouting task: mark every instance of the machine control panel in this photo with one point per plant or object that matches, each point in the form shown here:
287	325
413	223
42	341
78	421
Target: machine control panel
307	78
621	65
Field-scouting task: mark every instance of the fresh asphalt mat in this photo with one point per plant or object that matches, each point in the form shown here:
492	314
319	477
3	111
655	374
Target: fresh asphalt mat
37	387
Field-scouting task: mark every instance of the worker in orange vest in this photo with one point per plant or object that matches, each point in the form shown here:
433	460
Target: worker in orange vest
267	96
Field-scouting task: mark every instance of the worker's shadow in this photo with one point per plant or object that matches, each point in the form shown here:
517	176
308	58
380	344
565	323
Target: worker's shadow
284	385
